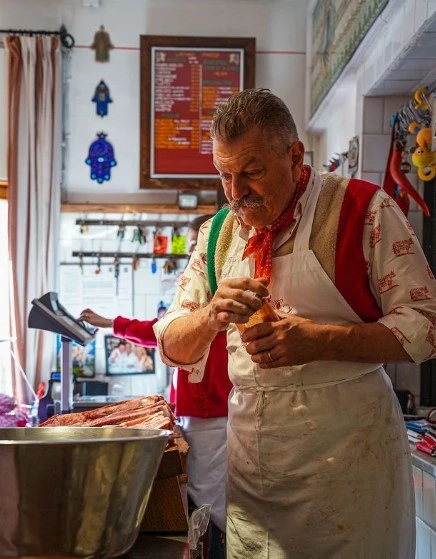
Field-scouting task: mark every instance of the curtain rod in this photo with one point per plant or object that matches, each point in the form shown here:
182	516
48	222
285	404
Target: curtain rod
67	39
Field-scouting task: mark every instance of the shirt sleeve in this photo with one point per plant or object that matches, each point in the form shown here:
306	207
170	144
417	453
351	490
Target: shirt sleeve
400	278
193	292
136	331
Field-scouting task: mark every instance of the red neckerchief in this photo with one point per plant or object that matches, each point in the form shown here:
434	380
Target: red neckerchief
260	245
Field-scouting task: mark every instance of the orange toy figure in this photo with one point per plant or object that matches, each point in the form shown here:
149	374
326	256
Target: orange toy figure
422	155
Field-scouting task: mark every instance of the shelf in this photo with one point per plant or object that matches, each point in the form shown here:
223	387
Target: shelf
114	254
133	223
136	209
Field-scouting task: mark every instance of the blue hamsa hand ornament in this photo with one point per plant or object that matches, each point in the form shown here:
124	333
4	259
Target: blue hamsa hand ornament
101	99
101	158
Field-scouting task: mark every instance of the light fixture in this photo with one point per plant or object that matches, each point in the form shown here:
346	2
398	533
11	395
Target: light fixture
187	200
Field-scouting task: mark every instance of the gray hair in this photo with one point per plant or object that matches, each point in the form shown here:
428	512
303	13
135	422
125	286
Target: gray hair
255	108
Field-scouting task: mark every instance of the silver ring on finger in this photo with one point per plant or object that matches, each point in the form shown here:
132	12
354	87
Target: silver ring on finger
270	357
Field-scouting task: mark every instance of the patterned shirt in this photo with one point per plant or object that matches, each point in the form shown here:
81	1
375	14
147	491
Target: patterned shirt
400	278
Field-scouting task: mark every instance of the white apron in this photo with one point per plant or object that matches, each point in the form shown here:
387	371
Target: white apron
207	463
318	458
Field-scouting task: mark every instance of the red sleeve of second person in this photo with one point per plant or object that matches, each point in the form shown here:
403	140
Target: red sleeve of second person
137	331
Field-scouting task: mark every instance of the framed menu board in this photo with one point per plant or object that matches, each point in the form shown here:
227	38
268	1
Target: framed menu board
183	80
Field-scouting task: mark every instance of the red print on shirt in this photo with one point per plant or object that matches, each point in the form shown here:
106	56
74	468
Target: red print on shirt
375	236
370	218
401	248
197	266
428	315
386	283
419	294
190	305
184	281
387	203
410	228
400	336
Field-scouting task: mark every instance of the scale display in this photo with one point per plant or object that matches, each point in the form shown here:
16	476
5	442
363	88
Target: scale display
48	314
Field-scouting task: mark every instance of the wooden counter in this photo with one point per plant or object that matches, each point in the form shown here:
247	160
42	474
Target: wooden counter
159	546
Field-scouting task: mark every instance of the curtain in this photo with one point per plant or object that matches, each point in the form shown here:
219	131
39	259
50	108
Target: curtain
34	170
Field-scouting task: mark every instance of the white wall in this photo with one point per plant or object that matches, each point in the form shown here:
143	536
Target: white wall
277	25
392	33
340	128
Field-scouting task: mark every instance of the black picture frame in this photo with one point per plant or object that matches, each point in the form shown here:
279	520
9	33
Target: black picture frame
127	358
147	180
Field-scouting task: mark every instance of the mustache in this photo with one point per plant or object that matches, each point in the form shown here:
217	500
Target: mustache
248	202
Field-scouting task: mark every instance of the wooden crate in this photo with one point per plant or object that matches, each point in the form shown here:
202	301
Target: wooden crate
167	507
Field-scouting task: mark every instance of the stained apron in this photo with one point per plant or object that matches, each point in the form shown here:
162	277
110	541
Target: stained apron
207	463
318	459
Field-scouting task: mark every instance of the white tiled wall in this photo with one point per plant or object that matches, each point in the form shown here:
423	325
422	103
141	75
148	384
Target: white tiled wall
425	499
398	32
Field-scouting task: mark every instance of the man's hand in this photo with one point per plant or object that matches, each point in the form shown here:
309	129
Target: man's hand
292	340
187	338
235	300
89	316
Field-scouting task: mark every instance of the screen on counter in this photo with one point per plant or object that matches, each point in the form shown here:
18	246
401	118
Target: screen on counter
48	314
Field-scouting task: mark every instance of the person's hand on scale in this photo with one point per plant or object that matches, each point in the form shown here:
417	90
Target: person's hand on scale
91	317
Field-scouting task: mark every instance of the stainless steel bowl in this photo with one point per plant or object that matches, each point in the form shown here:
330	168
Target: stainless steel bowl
75	491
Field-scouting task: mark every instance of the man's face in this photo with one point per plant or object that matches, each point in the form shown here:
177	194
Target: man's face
258	183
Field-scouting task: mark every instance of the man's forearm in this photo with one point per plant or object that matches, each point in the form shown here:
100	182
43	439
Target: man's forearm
360	342
187	338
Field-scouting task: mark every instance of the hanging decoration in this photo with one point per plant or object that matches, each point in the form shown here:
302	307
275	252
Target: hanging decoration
178	242
353	156
170	266
102	99
396	183
140	234
102	45
153	266
422	155
335	162
160	243
121	232
414	117
101	159
135	263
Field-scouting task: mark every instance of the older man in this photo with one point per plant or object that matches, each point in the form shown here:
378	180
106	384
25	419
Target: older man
318	459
